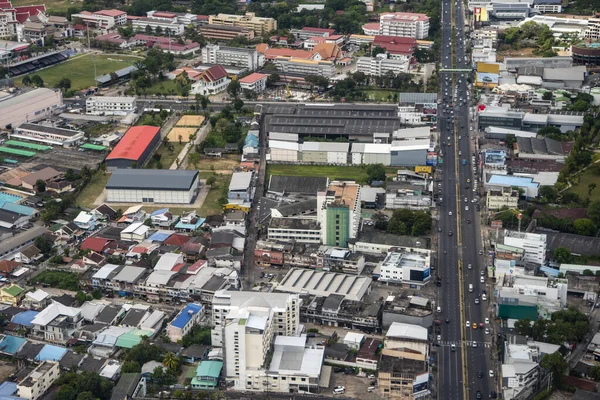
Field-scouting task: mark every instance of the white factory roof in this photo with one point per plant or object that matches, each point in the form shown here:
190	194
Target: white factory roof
278	144
89	310
529	80
151	319
167	261
325	146
257	322
240	180
105	271
418	132
287	137
406	331
322	283
354	337
38	295
417	144
291	357
377	148
129	274
52	311
136	228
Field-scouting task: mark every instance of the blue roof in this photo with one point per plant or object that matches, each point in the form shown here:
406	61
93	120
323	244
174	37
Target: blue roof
251	141
18	208
159	212
511	180
52	353
549	271
11	344
25	317
159	236
181	225
8	388
186	315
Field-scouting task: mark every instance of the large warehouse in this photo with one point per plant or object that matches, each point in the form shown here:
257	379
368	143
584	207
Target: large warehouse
165	186
134	148
31	106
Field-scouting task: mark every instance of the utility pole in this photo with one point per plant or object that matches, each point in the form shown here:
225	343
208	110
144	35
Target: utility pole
87	26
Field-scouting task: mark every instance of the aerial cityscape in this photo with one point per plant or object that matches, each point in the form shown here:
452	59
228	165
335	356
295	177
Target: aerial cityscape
363	199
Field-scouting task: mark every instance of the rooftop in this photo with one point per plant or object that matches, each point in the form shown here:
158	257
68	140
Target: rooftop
400	330
322	283
158	179
186	315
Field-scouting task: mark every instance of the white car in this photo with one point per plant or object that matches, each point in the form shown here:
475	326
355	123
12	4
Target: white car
466	200
439	338
468	324
481	279
487	331
483	297
466	208
450	213
474	344
487	321
491	373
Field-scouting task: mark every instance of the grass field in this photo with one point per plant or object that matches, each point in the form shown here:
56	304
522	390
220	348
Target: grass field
167	158
80	70
92	190
209	164
380	94
51	5
211	203
166	87
332	171
589	176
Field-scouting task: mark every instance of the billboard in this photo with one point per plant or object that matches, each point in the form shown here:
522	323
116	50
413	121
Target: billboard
420	169
487	78
431	158
421	383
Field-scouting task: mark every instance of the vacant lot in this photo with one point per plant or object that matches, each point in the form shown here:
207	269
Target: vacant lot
92	190
331	171
588	177
166	157
211	204
80	70
222	165
524	52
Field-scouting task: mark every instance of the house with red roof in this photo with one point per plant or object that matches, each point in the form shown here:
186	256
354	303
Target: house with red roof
167	44
134	149
255	82
272	54
212	81
96	244
397	47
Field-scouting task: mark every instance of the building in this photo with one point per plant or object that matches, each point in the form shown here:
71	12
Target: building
408	337
561	26
409	269
134	149
309	32
212	81
503	196
48	134
103	19
401	377
532	297
324	284
534	245
244	325
207	375
255	82
130	386
235	56
31	106
180	17
187	318
397	48
157	25
304	230
12	295
338	212
39	380
512	63
404	24
249	20
56	323
240	186
324	153
221	32
305	67
527	184
152	186
380	66
509	10
101	105
548	6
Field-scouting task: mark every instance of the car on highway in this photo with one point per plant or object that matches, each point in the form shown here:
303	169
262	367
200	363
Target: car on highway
466	200
339	390
479	374
469	266
474	326
478	395
468	324
474	344
450	213
483	297
487	331
482	272
491	373
439	338
466	208
493	395
447	320
453	347
481	279
487	321
476	300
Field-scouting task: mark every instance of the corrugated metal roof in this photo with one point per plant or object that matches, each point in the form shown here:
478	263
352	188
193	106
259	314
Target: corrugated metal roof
159	179
134	143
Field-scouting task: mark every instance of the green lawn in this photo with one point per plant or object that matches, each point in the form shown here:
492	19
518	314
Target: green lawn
166	87
80	70
332	171
589	176
167	158
380	94
92	190
211	204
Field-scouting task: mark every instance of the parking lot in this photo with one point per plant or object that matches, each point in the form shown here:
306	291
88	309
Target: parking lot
61	159
356	387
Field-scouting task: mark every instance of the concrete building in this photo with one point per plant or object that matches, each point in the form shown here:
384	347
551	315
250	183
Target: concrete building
527	184
31	106
324	153
48	135
407	336
305	67
379	66
134	148
497	198
103	19
308	32
325	284
409	269
101	105
303	230
401	375
249	20
180	17
162	25
222	32
212	81
255	82
559	25
39	380
56	323
235	56
187	318
240	186
152	186
338	212
532	297
534	245
404	24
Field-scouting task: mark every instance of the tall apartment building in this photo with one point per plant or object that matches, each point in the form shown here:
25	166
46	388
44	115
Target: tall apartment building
38	381
245	324
379	66
338	212
222	32
593	29
249	20
238	57
105	19
305	67
106	105
404	24
165	25
534	245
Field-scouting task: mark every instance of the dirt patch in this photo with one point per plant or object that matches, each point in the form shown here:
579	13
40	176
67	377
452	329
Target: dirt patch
190	120
183	132
6	370
524	52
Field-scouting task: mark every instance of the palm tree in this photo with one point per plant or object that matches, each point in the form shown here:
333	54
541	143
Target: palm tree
171	361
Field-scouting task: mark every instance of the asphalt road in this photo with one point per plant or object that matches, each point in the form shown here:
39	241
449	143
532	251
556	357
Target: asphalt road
460	241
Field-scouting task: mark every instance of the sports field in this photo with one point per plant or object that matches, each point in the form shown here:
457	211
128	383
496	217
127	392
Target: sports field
51	5
80	70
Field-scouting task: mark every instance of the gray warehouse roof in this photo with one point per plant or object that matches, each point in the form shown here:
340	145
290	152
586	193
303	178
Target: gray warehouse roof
49	129
417	98
157	179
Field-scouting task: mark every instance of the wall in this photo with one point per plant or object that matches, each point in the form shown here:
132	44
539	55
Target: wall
314	156
409	158
158	196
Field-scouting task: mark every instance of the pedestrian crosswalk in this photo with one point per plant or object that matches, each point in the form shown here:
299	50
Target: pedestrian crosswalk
468	343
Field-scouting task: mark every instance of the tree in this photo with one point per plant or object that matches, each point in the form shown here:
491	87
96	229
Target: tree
375	172
562	255
234	88
556	364
524	327
591	188
238	104
40	186
171	361
64	84
585	227
377	50
549	130
594	373
180	138
593	212
271	80
43	244
587	272
26	80
548	193
87	395
211	180
131	366
547	96
194	158
96	293
37	81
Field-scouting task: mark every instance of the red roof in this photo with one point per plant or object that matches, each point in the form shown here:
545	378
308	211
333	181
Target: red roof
96	244
8	266
110	13
177	240
395	44
196	266
324	30
164	14
371	26
22	13
214	73
133	144
271	54
253	77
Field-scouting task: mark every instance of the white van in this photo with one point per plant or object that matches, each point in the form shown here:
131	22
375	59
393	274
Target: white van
439	310
470	288
338	391
371	389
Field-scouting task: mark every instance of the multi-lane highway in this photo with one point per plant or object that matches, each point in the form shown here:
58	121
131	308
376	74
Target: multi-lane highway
465	337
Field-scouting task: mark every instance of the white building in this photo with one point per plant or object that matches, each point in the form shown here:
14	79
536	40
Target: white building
104	19
354	340
187	318
31	106
152	186
283	151
39	380
165	25
409	198
304	230
255	82
405	268
404	24
56	323
534	245
212	81
180	17
101	105
249	59
305	67
135	232
537	293
401	336
379	66
48	135
245	324
481	54
503	196
324	153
